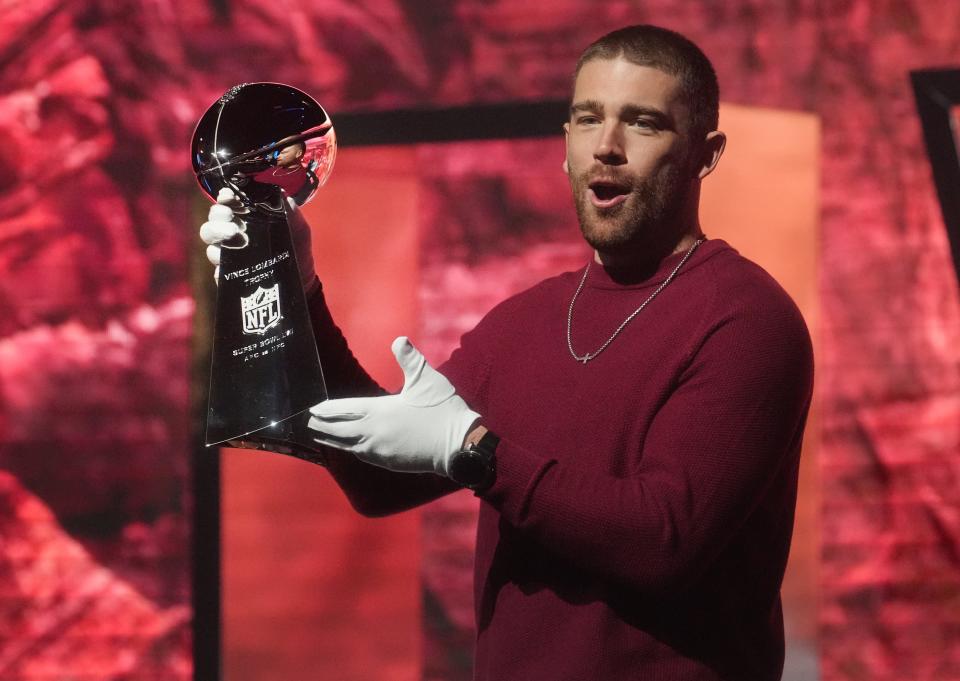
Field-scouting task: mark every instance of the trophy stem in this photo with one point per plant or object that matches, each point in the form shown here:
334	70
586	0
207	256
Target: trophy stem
265	369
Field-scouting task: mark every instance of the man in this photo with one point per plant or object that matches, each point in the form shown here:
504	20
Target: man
632	429
289	173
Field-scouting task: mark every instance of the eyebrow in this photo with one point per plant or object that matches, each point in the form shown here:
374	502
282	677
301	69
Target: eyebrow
587	105
628	111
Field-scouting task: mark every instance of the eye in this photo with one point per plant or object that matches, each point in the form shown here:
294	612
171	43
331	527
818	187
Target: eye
587	119
644	124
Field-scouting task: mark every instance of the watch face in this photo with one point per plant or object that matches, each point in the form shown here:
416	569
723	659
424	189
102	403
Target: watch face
468	467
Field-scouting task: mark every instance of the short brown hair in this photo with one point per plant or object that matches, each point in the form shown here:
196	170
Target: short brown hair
667	50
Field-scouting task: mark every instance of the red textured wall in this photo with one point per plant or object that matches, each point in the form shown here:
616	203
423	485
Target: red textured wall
94	323
96	107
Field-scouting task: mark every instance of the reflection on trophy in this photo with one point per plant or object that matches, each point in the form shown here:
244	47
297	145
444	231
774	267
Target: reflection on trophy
271	144
291	172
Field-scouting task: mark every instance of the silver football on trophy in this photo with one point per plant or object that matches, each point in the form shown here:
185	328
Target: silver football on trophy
258	136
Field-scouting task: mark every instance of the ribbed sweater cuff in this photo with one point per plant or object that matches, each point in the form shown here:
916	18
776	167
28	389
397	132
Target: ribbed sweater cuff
519	471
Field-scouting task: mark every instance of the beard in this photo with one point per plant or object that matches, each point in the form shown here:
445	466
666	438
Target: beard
649	217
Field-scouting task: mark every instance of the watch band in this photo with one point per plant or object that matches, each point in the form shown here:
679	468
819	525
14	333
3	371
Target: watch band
488	443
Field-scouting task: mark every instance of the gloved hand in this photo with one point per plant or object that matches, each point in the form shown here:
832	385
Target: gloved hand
225	222
415	431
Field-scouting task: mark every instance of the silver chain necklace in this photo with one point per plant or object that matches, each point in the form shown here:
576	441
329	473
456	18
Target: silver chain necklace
590	355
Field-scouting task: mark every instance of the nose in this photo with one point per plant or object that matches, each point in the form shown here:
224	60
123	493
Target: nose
609	149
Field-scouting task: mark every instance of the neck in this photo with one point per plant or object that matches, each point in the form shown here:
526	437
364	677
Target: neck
642	262
648	256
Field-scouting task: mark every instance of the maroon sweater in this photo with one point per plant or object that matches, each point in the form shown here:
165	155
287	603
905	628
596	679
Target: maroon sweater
641	518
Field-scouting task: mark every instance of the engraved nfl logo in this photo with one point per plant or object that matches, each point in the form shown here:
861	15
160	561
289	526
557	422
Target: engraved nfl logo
261	309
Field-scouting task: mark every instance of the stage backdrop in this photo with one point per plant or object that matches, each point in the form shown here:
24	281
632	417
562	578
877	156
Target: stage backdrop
97	102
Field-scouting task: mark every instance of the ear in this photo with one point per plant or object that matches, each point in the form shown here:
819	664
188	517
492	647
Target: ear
566	140
713	147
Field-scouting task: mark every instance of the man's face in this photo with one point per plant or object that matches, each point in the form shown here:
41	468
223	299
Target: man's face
289	155
629	154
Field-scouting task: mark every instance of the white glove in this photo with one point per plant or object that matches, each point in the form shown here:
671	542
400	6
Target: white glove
415	431
223	224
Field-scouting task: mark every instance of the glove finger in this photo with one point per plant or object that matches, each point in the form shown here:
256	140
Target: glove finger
215	232
339	418
228	197
410	359
346	444
355	407
343	432
220	213
423	385
213	254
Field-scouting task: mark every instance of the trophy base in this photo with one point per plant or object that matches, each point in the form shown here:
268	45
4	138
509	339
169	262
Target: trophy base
290	437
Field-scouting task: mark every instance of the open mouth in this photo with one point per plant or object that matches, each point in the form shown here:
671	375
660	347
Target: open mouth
607	193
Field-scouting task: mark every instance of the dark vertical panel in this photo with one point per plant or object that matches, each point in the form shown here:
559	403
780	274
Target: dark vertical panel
937	94
205	477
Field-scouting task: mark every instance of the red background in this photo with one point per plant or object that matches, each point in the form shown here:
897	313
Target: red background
97	102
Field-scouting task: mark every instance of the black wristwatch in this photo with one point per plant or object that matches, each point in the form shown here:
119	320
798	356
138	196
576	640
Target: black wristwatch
475	466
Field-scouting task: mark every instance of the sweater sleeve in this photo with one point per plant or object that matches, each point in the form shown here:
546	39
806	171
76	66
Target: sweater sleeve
371	490
733	422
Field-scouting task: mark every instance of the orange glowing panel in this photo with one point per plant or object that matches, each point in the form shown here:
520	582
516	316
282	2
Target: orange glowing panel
764	199
955	125
310	588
